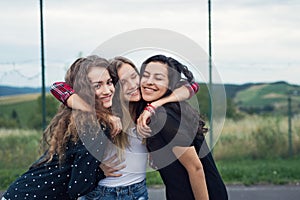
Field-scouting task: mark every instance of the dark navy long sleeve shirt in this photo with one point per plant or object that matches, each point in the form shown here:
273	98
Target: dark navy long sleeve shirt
77	175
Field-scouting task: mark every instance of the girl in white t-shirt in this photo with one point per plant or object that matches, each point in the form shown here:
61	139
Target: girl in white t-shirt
126	156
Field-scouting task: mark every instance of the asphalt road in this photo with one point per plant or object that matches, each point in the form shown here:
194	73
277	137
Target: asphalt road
264	192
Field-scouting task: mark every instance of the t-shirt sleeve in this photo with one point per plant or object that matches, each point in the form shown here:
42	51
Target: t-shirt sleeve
172	128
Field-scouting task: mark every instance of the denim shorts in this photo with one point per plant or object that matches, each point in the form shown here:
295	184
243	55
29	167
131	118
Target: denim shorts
137	191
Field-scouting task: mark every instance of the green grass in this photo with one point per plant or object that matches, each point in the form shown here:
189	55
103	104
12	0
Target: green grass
251	171
262	171
25	111
153	178
19	149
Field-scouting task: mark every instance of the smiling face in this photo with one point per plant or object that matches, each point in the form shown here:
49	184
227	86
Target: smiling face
129	80
102	82
154	81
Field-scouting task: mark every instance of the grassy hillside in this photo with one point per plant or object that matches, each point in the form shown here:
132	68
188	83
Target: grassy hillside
6	90
7	100
26	110
252	98
273	97
23	105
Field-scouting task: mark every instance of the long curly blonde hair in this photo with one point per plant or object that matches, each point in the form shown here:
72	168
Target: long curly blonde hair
65	125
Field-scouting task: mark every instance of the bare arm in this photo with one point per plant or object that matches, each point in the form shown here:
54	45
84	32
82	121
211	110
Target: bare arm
76	102
179	94
189	159
66	94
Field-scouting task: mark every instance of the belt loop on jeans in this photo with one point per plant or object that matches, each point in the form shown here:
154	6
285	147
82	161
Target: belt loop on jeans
103	190
129	191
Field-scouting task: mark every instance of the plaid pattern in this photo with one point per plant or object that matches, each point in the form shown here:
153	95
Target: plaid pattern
61	91
192	87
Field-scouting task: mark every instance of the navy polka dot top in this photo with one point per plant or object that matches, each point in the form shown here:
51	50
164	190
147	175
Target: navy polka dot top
77	175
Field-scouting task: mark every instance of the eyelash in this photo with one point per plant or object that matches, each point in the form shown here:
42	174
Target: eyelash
147	76
97	86
134	76
109	82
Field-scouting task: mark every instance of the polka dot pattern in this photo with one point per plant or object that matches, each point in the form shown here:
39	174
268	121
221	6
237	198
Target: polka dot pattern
76	176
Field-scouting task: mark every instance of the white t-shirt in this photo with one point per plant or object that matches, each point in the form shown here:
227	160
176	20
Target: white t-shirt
135	156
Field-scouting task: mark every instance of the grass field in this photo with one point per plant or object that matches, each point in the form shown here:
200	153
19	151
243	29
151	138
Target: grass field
258	137
24	105
6	100
253	150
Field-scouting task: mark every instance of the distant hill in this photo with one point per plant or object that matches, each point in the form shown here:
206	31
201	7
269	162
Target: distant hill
261	98
268	97
10	90
250	97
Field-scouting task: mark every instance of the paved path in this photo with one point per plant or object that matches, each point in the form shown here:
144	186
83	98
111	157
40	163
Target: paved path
267	192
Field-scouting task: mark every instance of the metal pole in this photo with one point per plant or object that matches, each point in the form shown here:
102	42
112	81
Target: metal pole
290	125
210	78
43	68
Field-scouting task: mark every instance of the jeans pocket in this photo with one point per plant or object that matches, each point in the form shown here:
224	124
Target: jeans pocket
93	195
141	194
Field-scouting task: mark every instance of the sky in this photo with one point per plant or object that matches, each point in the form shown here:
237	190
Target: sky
252	40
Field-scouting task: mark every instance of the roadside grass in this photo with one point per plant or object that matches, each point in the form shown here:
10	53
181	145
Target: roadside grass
241	172
257	137
18	149
260	171
253	150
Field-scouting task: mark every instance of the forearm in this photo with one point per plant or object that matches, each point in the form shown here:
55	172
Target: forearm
76	102
65	94
181	93
190	160
198	184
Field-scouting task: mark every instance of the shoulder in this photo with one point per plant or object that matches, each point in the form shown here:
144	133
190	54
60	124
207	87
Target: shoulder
169	109
168	112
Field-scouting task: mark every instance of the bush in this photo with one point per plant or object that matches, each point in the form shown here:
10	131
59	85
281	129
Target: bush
269	139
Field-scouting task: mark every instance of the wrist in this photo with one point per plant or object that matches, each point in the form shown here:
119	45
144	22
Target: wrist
192	88
157	103
150	108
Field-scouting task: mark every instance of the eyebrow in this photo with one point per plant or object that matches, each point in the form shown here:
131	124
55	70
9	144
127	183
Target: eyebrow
102	81
155	74
129	75
97	82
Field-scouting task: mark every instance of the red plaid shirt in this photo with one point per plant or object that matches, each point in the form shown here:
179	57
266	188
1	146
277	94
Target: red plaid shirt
61	91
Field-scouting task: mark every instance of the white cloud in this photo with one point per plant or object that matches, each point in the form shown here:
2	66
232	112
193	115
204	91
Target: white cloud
246	34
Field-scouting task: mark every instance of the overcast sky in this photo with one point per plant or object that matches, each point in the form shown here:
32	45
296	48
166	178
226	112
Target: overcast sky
252	40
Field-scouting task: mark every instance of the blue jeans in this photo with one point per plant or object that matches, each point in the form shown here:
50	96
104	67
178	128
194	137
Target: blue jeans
137	191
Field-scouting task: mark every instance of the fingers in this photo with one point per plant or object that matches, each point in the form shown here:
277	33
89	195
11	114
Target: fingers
143	129
117	126
111	171
111	166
